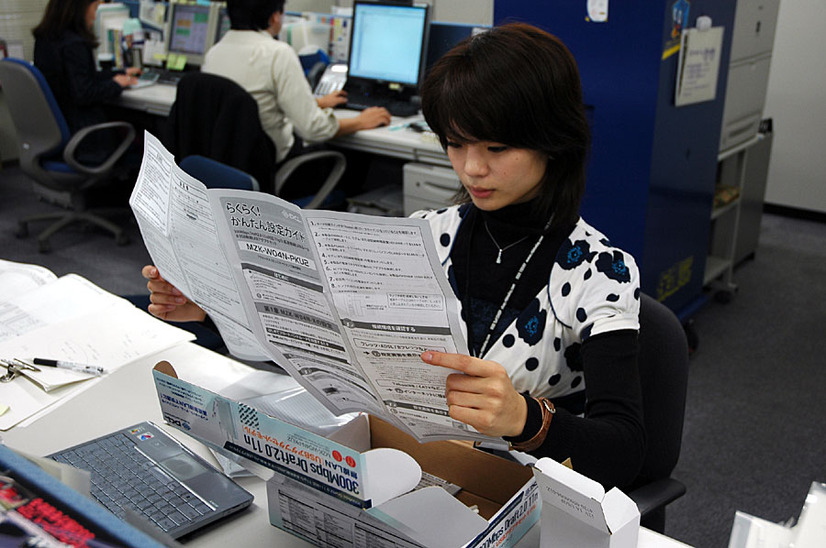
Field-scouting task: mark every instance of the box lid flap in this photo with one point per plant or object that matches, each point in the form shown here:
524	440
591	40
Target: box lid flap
571	492
432	517
619	509
390	473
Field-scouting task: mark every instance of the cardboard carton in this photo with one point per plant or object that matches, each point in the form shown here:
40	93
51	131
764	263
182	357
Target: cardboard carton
576	511
355	486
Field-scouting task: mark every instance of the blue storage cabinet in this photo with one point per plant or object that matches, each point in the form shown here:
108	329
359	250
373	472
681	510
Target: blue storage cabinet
653	166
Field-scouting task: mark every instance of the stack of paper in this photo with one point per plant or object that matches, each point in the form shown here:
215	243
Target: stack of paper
71	319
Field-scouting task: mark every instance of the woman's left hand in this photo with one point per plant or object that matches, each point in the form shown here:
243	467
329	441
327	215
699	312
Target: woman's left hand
483	396
133	71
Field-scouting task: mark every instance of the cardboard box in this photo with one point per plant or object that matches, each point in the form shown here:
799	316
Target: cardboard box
353	487
576	511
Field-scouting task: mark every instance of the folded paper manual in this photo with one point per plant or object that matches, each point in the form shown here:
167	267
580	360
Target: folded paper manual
345	303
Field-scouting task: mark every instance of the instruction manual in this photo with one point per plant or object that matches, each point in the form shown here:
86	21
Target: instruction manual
345	303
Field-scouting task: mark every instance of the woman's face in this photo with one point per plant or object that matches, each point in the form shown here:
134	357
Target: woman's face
91	11
496	175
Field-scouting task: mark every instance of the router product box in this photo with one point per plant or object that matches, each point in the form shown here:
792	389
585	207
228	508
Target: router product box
364	484
576	511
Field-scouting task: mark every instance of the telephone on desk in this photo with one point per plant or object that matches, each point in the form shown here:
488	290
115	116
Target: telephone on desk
333	79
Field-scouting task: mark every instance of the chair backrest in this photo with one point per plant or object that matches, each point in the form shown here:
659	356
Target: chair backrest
41	128
214	174
214	117
663	365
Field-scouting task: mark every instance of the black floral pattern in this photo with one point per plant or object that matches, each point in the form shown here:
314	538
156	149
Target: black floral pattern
572	254
531	323
613	266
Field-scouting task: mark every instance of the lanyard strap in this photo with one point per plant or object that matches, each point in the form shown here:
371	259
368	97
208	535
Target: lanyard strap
493	324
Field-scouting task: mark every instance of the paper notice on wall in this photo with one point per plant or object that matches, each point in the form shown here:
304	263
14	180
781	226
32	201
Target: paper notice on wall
598	11
698	66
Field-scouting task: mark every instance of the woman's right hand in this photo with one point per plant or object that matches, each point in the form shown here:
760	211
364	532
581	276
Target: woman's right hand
373	117
168	303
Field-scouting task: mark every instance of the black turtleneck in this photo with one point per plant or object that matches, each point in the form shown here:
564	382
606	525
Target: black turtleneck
515	229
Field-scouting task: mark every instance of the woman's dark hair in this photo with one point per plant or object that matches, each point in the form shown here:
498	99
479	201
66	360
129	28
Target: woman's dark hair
63	15
252	14
516	85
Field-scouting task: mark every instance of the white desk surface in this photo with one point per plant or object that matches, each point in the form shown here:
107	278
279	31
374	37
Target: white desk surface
127	396
395	140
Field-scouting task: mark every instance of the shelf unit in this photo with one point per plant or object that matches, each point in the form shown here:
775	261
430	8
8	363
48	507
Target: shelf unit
735	225
652	168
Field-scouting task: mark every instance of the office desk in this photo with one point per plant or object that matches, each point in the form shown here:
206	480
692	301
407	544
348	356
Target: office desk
395	140
156	99
128	396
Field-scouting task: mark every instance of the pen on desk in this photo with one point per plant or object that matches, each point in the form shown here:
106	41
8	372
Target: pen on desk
71	366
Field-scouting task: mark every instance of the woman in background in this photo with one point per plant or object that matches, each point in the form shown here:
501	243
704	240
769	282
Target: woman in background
64	51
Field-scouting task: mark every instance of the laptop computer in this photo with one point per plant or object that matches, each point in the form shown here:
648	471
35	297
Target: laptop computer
141	469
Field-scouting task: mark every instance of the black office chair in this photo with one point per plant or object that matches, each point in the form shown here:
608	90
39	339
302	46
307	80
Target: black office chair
48	151
663	365
214	117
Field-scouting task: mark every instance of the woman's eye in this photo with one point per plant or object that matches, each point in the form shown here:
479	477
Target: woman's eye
453	144
497	148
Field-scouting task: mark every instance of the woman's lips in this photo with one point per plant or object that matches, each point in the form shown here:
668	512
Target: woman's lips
480	192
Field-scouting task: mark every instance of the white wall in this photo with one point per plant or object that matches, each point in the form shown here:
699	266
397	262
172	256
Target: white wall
796	101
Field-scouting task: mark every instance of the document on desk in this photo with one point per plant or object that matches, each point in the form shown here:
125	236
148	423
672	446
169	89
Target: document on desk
345	303
71	319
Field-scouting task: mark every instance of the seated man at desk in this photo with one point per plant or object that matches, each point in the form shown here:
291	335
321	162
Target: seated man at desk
271	72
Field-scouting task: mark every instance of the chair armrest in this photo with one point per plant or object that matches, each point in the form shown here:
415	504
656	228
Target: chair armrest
657	494
106	166
288	167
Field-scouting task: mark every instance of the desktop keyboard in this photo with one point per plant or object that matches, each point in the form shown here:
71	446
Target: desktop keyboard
163	76
396	107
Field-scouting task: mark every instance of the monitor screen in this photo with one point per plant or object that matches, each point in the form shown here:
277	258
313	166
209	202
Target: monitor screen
444	36
189	29
223	24
388	42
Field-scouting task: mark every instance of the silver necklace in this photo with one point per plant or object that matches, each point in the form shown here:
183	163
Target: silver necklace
507	298
502	249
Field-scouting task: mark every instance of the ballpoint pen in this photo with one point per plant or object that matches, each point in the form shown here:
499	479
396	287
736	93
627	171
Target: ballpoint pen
71	366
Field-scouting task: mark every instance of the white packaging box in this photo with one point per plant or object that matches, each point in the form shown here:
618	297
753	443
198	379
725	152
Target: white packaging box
576	511
352	488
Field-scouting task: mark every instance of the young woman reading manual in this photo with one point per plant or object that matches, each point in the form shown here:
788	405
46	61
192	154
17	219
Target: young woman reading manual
550	306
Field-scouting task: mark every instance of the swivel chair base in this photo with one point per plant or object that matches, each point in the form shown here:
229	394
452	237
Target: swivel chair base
64	219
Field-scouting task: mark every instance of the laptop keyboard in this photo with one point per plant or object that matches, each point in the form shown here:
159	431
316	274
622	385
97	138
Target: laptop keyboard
124	478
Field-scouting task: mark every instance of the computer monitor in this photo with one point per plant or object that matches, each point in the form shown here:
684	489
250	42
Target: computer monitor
222	25
443	36
188	32
388	43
